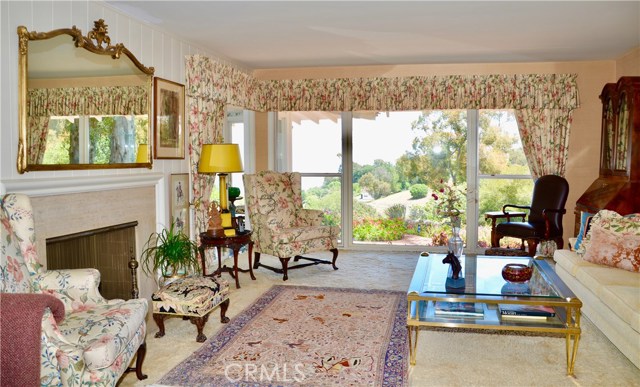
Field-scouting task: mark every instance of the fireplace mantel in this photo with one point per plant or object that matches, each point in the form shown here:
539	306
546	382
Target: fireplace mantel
34	187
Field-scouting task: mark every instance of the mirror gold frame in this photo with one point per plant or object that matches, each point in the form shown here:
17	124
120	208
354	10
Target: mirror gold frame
102	46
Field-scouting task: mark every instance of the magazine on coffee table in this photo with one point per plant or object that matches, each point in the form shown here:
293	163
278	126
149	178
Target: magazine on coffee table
459	309
526	311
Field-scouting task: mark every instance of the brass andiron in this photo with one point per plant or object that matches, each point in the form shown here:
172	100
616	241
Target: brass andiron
133	265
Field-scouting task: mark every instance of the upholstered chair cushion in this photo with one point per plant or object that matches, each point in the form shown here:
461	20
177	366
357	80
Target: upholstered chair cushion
104	330
190	296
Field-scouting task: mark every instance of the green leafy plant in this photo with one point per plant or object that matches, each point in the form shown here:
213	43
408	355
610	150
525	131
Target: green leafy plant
396	211
379	230
418	191
170	252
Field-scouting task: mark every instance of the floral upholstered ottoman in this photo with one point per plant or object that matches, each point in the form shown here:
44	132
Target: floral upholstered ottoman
193	298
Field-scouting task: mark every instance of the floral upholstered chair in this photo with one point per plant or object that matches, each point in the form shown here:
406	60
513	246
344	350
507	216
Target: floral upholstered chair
281	227
96	339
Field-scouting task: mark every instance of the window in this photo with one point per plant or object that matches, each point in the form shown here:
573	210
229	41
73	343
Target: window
105	139
388	165
311	143
503	173
239	129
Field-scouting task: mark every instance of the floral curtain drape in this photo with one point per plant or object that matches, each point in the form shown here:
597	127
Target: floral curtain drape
545	139
38	130
46	102
205	121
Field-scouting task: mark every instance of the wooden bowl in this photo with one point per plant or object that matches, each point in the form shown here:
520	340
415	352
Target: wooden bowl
517	272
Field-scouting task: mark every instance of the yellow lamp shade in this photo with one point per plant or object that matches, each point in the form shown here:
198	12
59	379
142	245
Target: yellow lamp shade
143	153
220	158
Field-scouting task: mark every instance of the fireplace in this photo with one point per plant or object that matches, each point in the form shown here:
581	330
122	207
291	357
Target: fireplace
57	216
108	249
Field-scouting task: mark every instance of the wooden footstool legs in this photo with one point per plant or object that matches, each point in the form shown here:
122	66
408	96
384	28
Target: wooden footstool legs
199	322
192	298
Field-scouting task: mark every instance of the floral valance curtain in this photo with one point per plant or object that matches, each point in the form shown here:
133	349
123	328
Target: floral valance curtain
419	93
69	101
496	91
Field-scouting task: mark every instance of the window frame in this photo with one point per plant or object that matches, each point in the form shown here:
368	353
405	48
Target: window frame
280	137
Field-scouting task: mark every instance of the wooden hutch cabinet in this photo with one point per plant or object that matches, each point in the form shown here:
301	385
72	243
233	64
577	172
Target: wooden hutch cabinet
618	186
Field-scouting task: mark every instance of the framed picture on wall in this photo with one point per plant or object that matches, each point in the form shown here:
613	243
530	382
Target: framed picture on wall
168	119
179	207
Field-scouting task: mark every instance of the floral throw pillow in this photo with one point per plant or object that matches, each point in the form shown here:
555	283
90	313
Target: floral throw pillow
614	249
613	240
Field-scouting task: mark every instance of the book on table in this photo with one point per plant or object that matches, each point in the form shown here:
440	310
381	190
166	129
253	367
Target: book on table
460	309
526	311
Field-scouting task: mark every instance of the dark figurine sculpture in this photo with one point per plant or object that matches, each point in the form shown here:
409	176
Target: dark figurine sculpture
456	267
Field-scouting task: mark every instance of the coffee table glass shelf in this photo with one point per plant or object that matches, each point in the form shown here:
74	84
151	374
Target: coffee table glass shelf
483	285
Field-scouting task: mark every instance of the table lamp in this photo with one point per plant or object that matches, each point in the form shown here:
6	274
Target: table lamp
221	159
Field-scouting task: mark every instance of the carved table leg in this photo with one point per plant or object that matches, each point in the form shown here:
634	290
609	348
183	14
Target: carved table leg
253	277
235	266
159	319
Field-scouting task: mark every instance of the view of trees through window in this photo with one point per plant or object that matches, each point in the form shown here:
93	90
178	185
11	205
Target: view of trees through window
400	162
95	139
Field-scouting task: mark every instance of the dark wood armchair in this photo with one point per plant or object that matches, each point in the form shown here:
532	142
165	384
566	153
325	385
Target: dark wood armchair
544	221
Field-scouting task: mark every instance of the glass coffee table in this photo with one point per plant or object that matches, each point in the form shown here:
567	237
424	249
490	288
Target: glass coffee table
484	287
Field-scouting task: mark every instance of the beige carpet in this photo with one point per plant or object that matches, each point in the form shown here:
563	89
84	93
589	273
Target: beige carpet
443	358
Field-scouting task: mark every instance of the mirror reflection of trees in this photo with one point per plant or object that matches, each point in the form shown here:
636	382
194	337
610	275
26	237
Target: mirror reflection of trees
95	139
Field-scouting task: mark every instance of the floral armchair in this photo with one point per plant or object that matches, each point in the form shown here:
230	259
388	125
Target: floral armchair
281	227
97	338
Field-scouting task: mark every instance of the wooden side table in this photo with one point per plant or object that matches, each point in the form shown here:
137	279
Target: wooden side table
495	215
235	243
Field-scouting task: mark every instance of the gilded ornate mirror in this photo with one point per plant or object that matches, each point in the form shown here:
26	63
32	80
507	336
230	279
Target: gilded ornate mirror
82	103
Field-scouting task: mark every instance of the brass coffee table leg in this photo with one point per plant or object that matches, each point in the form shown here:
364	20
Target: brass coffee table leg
413	343
572	350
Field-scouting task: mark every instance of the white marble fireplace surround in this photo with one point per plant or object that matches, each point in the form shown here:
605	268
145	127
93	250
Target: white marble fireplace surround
61	209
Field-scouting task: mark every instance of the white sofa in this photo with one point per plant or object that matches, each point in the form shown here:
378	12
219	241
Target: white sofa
610	298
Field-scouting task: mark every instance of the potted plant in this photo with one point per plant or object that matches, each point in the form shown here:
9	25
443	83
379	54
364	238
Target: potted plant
171	252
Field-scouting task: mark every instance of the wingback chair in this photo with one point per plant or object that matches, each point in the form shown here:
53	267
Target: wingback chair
544	221
281	227
96	340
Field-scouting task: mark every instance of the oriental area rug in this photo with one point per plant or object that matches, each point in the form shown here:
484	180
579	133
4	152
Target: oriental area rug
309	336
